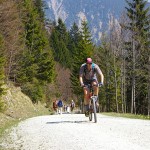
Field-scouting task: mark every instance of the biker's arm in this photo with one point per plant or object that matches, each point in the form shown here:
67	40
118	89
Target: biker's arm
100	74
81	76
102	77
81	80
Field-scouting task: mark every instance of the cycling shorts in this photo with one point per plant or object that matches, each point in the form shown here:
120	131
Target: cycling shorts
86	82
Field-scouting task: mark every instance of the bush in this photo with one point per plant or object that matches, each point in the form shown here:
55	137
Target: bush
34	91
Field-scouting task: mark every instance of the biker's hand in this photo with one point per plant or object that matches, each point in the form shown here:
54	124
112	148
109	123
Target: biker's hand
101	84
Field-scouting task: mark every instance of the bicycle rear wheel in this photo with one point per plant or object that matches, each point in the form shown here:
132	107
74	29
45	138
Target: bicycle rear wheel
94	110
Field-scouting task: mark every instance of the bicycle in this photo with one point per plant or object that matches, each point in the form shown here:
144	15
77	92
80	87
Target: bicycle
92	103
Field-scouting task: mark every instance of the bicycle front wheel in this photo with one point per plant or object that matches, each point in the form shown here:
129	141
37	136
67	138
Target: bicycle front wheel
90	115
94	110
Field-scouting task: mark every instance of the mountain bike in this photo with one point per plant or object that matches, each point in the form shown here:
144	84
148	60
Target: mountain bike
92	104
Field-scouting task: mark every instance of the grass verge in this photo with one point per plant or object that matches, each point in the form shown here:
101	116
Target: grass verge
8	125
127	115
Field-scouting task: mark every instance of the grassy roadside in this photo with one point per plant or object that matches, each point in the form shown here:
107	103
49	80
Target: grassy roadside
9	122
127	115
8	126
19	108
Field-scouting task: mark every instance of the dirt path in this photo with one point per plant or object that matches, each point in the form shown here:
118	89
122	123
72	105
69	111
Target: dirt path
75	132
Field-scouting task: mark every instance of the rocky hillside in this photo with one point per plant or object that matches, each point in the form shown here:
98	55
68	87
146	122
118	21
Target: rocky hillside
18	107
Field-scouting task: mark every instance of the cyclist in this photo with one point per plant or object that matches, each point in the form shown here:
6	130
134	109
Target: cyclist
88	75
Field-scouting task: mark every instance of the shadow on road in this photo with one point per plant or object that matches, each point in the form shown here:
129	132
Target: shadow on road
67	122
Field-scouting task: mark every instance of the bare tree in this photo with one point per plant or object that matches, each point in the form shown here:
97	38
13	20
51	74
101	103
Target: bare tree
11	29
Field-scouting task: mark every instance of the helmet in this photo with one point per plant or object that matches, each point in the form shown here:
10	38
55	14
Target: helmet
88	60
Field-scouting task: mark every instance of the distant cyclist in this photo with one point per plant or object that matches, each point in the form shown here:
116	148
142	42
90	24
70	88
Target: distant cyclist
88	75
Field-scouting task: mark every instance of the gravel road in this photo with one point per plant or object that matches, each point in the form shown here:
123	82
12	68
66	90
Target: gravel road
75	132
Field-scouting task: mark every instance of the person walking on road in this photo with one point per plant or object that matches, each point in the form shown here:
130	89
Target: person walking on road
72	105
60	105
55	107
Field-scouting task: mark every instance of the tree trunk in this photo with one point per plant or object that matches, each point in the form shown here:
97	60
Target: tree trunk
149	88
133	107
123	89
116	95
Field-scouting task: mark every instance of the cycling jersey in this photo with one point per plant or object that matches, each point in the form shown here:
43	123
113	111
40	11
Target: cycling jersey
89	75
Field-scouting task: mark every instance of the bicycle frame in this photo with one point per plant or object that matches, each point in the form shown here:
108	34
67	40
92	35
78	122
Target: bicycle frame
92	104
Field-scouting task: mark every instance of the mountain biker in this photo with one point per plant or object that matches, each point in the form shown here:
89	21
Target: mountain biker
88	75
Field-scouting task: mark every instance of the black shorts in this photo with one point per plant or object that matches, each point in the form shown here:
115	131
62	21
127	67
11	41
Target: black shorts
86	82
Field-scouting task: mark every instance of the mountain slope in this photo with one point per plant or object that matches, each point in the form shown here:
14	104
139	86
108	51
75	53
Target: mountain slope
18	106
98	13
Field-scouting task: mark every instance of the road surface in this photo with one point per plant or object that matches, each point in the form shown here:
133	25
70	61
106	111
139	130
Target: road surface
75	132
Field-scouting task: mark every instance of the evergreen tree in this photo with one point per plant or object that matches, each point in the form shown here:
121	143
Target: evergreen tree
74	39
138	53
86	46
39	6
36	63
59	43
103	56
84	49
75	34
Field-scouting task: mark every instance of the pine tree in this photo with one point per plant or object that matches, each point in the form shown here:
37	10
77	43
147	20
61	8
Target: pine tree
59	42
74	39
138	51
84	49
37	62
86	45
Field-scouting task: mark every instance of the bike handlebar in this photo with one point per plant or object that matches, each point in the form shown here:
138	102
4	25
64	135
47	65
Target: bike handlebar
90	86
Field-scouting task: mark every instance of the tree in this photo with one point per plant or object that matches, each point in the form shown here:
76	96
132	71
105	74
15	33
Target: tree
74	39
11	28
59	43
107	60
36	62
138	53
84	49
86	45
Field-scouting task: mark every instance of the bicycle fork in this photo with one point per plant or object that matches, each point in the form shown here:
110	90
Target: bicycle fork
93	108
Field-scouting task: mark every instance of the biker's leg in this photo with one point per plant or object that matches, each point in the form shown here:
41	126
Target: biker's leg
86	99
95	88
96	91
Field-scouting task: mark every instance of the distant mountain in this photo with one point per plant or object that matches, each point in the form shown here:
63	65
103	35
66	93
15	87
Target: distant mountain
98	13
